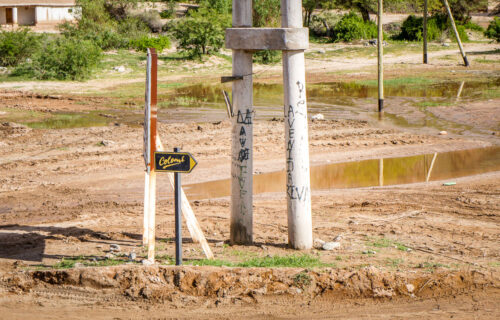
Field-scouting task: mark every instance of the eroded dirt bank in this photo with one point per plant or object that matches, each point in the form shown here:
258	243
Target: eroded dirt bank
229	292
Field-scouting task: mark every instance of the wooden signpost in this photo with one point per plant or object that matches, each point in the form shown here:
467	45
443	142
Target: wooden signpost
173	164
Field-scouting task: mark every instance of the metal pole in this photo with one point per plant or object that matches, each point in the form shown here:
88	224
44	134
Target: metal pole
454	27
241	230
296	135
425	31
380	45
178	217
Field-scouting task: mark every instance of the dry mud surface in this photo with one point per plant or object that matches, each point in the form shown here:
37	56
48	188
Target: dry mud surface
73	192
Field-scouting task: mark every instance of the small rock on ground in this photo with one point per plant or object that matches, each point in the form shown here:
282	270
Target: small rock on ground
329	246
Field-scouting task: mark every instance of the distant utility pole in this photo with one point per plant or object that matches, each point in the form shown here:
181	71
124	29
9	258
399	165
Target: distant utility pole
466	62
380	45
425	31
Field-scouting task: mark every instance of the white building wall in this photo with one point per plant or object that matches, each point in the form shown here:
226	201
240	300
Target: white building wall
54	14
26	16
3	18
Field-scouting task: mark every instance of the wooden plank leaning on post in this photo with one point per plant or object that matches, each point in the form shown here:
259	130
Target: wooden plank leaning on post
454	27
191	221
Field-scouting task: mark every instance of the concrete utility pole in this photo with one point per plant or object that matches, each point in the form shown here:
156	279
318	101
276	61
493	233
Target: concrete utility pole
293	40
296	135
425	31
380	46
242	134
454	27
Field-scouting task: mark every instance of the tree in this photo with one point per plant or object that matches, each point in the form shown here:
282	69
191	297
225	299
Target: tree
202	32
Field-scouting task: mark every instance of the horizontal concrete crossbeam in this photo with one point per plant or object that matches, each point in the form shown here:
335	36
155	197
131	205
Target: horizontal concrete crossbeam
267	38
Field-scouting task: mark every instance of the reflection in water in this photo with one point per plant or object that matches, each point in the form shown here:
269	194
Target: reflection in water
368	173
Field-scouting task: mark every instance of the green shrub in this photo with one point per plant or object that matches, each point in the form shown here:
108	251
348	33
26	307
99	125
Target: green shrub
462	33
322	24
16	46
493	30
106	24
152	19
472	26
202	32
62	59
352	27
267	56
159	43
413	28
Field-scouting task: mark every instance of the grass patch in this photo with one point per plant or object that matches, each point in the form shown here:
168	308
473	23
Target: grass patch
486	61
70	262
494	264
296	261
431	266
408	81
393	263
302	279
426	104
292	261
386	243
68	120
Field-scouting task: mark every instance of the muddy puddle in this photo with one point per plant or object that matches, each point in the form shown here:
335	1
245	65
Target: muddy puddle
409	103
368	173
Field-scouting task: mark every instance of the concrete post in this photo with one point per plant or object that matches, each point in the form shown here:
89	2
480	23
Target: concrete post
425	31
241	230
454	27
296	135
380	46
14	15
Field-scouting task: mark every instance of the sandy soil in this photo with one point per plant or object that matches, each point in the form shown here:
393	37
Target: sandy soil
421	250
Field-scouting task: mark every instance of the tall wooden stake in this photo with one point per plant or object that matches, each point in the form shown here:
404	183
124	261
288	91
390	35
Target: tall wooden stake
425	31
146	209
454	27
241	230
296	135
150	118
380	46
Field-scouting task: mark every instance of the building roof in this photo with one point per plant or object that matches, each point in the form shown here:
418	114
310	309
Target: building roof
20	3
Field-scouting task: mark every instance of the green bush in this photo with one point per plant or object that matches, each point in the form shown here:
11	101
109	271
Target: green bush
152	19
159	43
16	46
62	59
352	27
413	28
438	24
472	26
322	24
202	32
493	30
106	24
267	56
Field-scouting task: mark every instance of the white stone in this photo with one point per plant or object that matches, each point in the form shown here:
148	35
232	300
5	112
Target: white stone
329	246
114	247
318	243
443	133
410	288
318	116
147	262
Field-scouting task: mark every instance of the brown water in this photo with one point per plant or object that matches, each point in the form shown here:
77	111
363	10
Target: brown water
366	173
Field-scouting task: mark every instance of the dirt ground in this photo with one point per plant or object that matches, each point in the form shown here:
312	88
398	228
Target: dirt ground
420	250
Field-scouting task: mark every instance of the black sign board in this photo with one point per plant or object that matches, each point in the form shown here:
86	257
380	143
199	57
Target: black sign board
174	162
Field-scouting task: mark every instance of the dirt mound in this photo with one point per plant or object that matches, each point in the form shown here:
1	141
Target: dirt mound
165	283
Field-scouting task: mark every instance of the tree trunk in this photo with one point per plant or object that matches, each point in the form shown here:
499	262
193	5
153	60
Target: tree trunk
364	13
